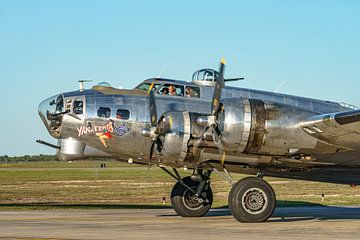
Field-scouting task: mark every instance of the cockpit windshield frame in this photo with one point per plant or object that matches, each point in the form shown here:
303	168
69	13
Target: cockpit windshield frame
173	89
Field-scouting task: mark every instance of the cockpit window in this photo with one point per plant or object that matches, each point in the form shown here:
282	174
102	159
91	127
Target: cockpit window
122	114
164	89
78	107
171	90
146	86
193	92
104	112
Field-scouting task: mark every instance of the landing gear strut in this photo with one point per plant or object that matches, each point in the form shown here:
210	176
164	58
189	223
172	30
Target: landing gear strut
192	196
252	200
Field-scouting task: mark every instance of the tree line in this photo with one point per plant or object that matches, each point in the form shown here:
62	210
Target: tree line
27	158
39	158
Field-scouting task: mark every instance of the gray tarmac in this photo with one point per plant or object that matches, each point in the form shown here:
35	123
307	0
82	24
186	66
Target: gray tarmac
286	223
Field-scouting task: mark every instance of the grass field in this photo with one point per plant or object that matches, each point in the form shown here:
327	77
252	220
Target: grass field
43	185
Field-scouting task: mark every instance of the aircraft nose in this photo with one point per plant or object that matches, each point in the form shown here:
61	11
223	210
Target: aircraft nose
51	112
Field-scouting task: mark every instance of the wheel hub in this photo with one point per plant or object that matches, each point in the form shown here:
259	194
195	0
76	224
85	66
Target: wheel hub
191	201
254	201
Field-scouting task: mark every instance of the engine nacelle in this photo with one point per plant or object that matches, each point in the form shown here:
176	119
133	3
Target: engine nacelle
176	127
247	126
253	126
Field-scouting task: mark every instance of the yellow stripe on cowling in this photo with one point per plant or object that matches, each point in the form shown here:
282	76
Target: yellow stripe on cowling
151	87
223	158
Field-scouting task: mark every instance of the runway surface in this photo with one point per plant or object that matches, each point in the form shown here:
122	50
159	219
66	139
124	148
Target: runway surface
287	223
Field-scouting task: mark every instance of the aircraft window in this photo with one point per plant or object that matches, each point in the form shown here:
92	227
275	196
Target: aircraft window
209	75
122	114
156	87
59	104
171	89
78	107
193	92
104	112
146	86
205	75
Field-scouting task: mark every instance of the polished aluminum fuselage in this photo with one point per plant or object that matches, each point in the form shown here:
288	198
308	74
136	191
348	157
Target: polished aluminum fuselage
78	140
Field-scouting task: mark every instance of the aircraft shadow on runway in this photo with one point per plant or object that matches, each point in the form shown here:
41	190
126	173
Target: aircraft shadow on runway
286	211
290	211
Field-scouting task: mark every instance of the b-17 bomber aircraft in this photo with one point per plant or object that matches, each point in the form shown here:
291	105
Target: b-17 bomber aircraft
208	127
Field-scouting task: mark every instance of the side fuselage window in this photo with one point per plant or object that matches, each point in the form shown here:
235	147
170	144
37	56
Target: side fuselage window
104	112
78	107
193	92
122	114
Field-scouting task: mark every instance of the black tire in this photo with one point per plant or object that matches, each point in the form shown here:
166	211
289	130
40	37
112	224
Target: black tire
185	204
252	200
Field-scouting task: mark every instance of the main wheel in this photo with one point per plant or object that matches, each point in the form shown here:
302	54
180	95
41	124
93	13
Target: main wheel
186	204
252	200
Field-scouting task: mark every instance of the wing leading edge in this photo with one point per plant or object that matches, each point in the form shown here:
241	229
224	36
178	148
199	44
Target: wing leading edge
341	129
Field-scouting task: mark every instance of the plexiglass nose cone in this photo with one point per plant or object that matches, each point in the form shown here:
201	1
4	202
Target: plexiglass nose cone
50	111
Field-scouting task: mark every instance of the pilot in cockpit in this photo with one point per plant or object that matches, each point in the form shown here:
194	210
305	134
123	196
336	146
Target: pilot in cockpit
172	90
164	91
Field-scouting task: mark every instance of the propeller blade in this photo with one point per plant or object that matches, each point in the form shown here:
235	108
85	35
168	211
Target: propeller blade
217	136
218	89
223	158
151	154
153	113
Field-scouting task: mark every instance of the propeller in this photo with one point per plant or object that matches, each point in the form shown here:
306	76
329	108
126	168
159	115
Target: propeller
212	121
215	109
155	130
216	104
160	126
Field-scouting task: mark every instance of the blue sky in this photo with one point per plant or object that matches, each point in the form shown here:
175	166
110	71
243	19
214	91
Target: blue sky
46	46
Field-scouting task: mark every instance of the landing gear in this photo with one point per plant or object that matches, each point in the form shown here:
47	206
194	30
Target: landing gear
192	198
252	200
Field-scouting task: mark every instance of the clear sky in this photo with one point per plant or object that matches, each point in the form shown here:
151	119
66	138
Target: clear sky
46	46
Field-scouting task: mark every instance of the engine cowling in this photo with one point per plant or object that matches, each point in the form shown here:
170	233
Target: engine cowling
252	126
174	129
247	126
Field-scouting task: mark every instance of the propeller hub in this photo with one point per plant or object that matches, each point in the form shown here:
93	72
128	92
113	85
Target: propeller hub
145	132
207	121
203	121
211	121
149	132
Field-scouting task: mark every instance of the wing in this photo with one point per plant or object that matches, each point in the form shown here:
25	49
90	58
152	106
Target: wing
341	129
